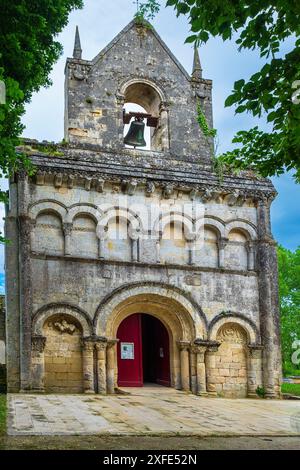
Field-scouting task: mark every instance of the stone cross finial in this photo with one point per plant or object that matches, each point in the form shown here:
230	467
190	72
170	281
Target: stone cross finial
197	69
77	52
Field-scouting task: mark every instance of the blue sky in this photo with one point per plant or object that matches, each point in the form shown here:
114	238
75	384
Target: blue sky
99	22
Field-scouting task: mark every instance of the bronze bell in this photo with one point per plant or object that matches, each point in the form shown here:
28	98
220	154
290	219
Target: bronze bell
135	135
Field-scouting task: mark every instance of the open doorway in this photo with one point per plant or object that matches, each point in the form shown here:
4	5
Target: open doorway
143	351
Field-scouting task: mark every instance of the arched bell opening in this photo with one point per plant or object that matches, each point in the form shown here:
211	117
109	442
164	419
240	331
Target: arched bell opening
145	132
143	352
145	117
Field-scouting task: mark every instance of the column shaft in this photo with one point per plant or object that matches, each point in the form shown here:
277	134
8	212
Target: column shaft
184	365
201	371
110	366
38	363
254	369
101	367
210	364
88	366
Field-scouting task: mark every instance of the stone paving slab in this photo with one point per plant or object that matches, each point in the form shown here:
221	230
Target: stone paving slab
150	411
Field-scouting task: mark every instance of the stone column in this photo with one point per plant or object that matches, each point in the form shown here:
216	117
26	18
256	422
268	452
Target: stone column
88	365
38	343
221	246
193	371
254	369
110	365
192	253
32	236
184	365
210	365
134	248
200	368
101	366
268	301
67	229
164	126
251	256
157	250
12	289
25	282
101	248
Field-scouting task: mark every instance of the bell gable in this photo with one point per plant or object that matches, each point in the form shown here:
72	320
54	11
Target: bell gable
136	67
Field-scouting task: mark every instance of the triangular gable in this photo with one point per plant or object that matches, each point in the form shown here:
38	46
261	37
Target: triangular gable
156	35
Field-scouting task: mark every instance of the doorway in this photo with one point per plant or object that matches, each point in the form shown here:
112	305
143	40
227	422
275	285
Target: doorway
143	351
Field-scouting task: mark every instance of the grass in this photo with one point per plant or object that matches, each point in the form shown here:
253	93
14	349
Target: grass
2	415
291	389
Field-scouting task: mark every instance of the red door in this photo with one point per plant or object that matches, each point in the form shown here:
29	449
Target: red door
130	360
143	351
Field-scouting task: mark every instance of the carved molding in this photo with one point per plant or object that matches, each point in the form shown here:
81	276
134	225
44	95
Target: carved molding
63	326
207	193
232	333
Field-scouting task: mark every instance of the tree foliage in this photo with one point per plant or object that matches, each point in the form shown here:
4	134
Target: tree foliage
272	92
289	292
28	51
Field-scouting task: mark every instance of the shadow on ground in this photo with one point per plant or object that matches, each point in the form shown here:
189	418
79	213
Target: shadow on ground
146	443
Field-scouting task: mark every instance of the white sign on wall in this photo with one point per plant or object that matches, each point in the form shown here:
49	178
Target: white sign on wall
127	350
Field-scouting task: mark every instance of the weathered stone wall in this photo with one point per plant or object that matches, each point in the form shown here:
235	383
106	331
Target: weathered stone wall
230	374
2	346
63	356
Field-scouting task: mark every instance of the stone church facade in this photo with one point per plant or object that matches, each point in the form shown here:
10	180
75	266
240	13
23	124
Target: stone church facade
102	232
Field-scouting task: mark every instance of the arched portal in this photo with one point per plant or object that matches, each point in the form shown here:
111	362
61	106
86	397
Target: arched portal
143	353
181	317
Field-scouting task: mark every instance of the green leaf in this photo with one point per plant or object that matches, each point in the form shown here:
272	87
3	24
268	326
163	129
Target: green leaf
230	100
192	38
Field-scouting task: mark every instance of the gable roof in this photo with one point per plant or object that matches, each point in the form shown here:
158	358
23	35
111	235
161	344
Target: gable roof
127	28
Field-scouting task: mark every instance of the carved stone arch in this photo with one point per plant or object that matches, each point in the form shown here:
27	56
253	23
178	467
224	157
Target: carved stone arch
243	226
174	216
215	223
222	319
134	221
147	94
190	319
47	311
83	209
139	80
48	205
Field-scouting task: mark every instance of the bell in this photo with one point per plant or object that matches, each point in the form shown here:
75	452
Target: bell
135	135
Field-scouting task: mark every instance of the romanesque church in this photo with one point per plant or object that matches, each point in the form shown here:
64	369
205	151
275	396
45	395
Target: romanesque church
131	261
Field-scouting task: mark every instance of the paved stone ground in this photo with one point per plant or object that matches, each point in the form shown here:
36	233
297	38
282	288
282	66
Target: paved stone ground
150	411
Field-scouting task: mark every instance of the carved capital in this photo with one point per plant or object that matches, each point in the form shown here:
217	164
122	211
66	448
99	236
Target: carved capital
67	228
222	242
184	345
88	344
197	349
213	346
111	343
101	346
38	343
